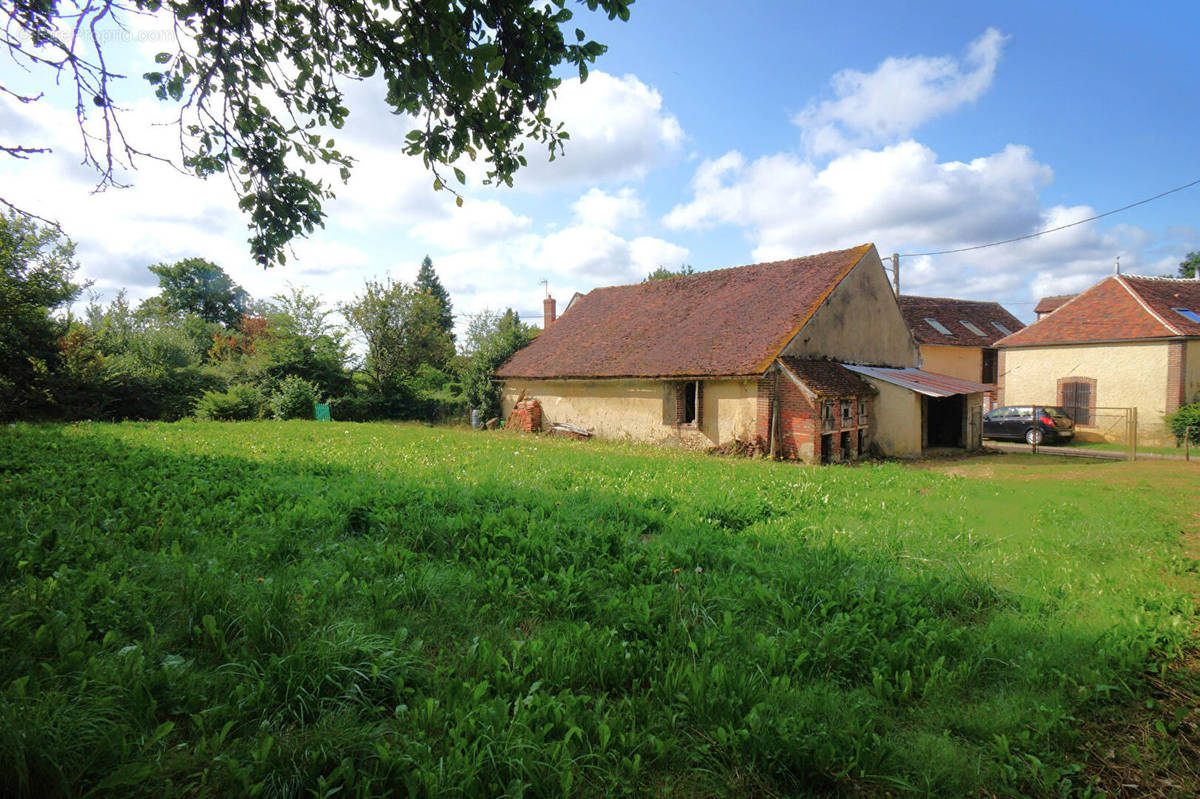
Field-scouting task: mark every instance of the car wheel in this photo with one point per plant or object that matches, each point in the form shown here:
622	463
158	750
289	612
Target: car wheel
1033	436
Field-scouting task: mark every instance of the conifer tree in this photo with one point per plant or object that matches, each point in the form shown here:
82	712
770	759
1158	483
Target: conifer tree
428	282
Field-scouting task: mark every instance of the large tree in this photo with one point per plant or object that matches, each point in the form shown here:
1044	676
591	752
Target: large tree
259	85
200	287
37	267
428	282
494	337
663	273
1189	266
401	328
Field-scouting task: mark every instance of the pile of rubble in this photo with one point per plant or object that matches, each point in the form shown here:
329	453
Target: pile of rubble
739	448
526	417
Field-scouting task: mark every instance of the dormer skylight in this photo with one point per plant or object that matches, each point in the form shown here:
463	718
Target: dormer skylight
1187	313
972	327
1002	328
939	327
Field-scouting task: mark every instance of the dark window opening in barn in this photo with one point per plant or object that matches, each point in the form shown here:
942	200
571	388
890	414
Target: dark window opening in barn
827	448
687	414
944	419
844	445
846	410
989	366
862	443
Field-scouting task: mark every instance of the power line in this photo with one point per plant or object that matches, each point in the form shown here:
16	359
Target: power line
1049	230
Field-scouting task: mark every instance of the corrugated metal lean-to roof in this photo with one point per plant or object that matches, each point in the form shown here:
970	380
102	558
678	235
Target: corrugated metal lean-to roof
920	381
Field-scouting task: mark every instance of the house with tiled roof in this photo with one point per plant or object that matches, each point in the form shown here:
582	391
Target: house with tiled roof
958	337
1048	305
1126	342
765	353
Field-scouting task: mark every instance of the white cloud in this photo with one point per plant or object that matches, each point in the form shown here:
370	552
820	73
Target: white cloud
475	224
901	94
609	211
900	193
903	199
619	131
647	254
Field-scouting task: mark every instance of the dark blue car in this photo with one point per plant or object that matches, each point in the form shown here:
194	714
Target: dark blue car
1032	424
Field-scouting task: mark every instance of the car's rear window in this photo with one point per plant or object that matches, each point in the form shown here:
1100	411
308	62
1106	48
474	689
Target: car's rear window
1053	411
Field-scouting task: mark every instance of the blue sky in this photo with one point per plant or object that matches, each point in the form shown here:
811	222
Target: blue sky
719	134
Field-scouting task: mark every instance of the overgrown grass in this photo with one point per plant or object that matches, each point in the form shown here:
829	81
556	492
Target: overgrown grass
305	609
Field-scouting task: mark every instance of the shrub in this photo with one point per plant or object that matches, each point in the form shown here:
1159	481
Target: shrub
350	408
240	402
294	399
1182	419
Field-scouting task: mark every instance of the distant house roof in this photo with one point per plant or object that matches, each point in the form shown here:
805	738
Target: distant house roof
574	298
727	322
826	378
1119	308
920	381
1048	304
963	323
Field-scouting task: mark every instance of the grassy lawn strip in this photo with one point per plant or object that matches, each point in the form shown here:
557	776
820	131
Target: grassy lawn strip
296	609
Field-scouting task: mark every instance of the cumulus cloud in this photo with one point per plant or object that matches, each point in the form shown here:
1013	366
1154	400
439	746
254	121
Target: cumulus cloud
902	198
619	131
872	108
899	193
609	211
473	225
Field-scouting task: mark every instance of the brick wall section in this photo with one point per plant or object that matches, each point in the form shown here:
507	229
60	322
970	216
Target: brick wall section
763	426
1176	376
1001	370
526	416
800	423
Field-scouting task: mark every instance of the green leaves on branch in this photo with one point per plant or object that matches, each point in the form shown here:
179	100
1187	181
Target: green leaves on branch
476	76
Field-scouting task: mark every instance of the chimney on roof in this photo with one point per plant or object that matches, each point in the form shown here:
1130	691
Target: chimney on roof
1117	268
896	272
549	311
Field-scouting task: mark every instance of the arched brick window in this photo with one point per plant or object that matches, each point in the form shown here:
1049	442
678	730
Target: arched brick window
1077	396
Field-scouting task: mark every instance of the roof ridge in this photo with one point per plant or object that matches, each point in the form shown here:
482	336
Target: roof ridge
864	247
1162	278
951	299
1146	307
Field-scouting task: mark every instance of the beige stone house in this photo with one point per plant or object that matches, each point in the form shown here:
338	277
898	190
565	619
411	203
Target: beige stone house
958	337
762	353
1125	342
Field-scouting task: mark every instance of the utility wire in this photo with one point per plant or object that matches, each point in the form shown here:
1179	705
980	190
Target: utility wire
1048	230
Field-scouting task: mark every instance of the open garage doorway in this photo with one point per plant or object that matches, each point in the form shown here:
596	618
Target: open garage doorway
945	421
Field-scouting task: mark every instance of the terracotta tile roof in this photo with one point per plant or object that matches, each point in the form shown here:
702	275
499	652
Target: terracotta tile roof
721	323
1118	308
1164	295
951	314
1048	304
827	378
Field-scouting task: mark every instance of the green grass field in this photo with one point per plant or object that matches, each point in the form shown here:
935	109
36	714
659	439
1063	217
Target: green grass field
303	609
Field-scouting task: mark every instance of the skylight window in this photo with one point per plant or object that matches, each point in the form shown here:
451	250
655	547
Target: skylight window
972	327
1187	313
939	327
1002	328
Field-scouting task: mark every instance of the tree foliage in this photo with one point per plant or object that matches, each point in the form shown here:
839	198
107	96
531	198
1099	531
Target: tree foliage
259	86
498	336
200	287
662	273
1190	265
401	328
37	269
428	282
